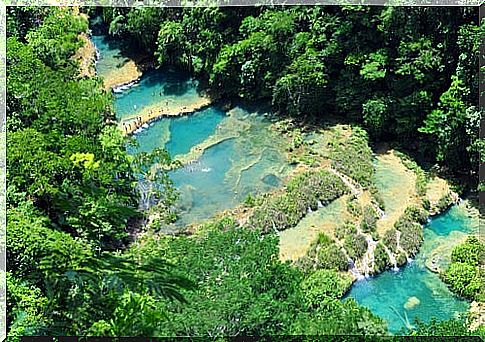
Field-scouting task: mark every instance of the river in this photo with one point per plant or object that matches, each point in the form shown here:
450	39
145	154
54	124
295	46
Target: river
233	154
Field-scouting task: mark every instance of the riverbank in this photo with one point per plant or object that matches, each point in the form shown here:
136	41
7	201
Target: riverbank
126	74
86	57
147	115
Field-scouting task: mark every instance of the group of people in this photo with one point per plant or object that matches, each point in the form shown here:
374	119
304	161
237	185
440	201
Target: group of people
136	123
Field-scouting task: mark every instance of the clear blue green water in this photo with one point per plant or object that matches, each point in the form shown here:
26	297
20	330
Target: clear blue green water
179	134
245	157
166	88
387	293
202	125
251	162
109	54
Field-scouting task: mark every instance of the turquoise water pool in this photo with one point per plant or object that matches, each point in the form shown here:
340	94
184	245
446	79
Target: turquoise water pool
249	162
239	155
109	54
166	88
179	134
391	295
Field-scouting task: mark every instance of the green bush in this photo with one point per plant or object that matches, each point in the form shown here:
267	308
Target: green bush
409	224
472	252
465	280
401	259
416	214
369	219
466	275
354	158
323	284
325	254
355	245
353	206
390	240
444	203
302	192
344	230
411	236
381	259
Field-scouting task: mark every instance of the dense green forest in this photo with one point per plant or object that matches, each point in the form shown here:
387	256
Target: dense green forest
408	75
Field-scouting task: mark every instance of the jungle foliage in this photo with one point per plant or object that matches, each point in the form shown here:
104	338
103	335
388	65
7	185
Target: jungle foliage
408	74
72	195
465	275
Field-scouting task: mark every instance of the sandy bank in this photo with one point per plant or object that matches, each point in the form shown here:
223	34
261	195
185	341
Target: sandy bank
128	73
154	112
86	57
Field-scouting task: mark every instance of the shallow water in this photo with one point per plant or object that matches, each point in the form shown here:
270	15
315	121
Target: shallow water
179	134
167	88
238	154
229	171
388	292
295	242
394	182
109	57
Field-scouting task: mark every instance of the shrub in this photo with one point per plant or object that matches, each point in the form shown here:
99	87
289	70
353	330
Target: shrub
354	158
401	259
325	254
332	257
355	245
416	214
369	219
444	203
464	279
353	206
465	275
303	191
381	258
471	252
324	284
390	240
411	236
344	230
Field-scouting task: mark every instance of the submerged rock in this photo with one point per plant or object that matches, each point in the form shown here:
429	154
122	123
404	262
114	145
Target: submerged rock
411	303
271	179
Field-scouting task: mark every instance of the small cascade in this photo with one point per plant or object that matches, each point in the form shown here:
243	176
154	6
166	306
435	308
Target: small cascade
354	271
319	204
123	87
392	259
309	210
145	188
98	54
398	240
366	265
380	212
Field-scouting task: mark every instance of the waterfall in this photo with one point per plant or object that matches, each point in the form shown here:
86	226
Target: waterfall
354	271
380	212
392	259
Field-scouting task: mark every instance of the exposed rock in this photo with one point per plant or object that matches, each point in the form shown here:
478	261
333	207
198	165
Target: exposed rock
476	317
